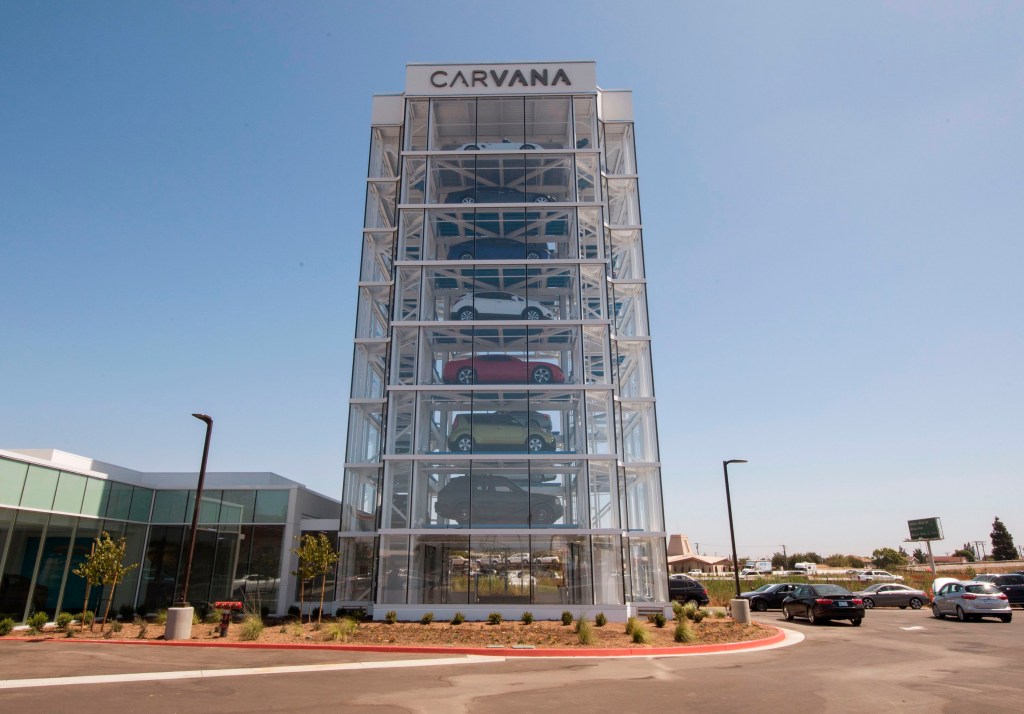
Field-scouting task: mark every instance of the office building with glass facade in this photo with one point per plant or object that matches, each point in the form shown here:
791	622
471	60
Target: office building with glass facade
502	446
54	504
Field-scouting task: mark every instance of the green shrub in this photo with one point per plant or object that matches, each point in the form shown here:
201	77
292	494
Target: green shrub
427	618
718	614
527	617
251	627
86	618
6	626
684	631
698	615
37	622
677	610
689	609
391	617
63	619
458	618
494	618
161	617
566	618
341	631
584	632
631	624
641	635
659	619
213	616
600	620
116	626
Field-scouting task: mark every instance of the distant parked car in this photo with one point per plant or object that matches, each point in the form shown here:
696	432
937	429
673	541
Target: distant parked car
883	575
501	369
695	573
498	305
892	595
685	589
1012	585
521	579
498	249
497	194
971	600
821	602
769	596
503	145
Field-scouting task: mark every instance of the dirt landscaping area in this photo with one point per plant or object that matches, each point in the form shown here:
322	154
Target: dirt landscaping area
538	634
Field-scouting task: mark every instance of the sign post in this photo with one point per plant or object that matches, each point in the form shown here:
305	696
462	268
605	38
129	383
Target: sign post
927	530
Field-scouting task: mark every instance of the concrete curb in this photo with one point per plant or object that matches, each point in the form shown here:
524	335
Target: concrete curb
768	642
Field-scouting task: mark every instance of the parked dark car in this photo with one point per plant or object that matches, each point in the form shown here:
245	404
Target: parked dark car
497	194
1012	585
768	597
483	500
497	249
821	602
685	589
892	595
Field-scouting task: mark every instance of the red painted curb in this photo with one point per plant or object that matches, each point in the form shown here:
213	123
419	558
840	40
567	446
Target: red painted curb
778	637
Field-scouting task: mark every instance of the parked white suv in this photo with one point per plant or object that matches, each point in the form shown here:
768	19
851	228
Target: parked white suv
497	305
883	575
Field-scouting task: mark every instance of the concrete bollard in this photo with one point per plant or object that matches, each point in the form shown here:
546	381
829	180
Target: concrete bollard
740	609
179	623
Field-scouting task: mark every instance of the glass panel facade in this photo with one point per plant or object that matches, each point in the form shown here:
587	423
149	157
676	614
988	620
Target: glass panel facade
23	551
70	492
12	481
499	385
40	488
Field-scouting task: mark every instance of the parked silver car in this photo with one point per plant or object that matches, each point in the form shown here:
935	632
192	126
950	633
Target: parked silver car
892	595
971	600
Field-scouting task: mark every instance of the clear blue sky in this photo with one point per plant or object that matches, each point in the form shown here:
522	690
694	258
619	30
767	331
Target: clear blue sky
833	222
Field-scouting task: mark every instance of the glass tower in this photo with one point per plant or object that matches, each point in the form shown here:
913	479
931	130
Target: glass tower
502	446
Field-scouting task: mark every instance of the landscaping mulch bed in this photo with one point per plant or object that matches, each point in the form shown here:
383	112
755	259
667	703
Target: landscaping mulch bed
539	634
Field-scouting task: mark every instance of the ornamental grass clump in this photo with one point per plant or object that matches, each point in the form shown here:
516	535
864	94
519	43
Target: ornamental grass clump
641	635
494	618
600	620
585	632
6	626
390	617
458	618
251	628
677	610
341	631
566	618
631	624
427	618
527	617
684	632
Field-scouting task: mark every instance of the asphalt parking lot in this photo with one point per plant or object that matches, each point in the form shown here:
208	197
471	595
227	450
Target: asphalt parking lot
900	660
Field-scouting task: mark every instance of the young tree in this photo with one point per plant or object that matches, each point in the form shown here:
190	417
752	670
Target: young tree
89	570
1002	542
779	562
105	566
919	556
317	557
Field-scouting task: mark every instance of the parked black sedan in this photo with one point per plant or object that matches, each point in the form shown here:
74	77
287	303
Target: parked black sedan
821	602
769	596
685	589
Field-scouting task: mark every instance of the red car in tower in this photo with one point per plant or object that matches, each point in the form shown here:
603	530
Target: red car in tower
501	369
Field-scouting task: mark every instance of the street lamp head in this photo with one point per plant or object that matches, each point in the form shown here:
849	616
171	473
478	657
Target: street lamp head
730	461
204	418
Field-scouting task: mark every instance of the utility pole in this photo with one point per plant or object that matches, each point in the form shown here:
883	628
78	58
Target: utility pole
979	549
785	558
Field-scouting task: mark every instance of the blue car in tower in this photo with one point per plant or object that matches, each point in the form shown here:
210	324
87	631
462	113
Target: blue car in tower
498	249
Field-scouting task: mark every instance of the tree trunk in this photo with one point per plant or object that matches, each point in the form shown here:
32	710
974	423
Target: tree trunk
110	600
302	596
85	608
323	586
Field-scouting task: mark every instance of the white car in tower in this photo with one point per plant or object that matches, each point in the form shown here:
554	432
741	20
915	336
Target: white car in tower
503	145
497	305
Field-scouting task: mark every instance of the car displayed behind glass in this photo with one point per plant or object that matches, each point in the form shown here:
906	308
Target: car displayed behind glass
503	145
501	369
483	499
494	431
497	194
498	305
769	597
892	595
498	249
821	602
971	600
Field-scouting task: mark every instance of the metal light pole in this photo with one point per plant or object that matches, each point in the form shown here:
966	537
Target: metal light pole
183	600
732	533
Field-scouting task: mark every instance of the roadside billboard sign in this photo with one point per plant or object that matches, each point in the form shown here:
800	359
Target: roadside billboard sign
925	529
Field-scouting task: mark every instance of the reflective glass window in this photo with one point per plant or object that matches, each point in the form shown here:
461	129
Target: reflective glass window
119	503
70	492
40	487
272	506
142	499
12	481
96	493
169	506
